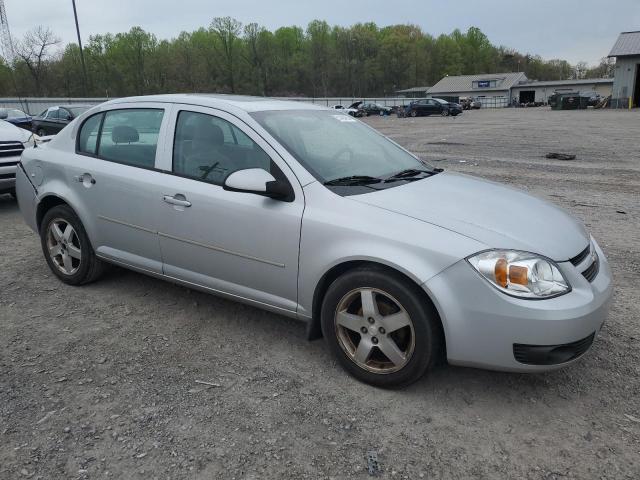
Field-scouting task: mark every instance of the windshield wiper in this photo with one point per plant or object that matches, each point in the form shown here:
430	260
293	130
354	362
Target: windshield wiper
411	173
353	180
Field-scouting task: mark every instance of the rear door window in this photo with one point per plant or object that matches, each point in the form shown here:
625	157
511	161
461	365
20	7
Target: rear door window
130	136
88	138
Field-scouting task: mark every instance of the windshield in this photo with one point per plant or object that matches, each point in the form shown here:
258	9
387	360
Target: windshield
332	145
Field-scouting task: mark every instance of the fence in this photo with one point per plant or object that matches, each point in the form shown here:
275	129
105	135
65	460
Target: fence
34	106
493	102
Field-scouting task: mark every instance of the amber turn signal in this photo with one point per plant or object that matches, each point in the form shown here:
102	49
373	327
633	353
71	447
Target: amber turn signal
501	272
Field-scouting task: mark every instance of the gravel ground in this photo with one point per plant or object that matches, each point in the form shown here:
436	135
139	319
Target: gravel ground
100	381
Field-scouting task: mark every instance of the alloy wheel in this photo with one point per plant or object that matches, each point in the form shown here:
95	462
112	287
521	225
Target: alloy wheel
63	245
374	330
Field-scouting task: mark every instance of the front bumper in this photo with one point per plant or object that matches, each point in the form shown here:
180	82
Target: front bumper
482	325
8	173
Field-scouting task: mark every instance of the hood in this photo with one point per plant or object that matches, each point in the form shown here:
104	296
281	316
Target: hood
491	213
11	133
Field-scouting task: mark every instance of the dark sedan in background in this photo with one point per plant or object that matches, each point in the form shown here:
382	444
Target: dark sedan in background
16	117
371	108
54	119
433	106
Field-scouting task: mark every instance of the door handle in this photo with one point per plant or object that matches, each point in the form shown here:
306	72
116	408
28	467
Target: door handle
177	199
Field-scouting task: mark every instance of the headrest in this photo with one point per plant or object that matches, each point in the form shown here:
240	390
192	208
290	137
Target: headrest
208	132
124	134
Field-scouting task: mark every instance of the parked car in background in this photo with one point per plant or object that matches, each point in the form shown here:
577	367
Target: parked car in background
290	207
16	117
13	141
54	119
433	106
372	108
468	103
354	112
593	98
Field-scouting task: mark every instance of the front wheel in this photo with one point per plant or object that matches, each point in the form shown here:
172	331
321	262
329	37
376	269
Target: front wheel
380	327
41	132
414	113
66	247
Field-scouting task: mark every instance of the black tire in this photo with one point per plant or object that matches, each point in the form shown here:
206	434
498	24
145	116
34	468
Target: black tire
41	132
444	112
413	113
90	267
428	337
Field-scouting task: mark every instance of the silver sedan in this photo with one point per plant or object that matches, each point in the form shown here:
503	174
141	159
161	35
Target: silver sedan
309	212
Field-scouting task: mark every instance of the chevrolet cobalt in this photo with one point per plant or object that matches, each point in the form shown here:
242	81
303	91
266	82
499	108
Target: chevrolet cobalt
310	213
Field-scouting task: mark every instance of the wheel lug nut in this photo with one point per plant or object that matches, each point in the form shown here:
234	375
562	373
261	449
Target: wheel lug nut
374	340
371	320
381	330
364	330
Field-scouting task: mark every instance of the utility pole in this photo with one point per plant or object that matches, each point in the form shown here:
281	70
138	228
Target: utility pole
84	68
5	36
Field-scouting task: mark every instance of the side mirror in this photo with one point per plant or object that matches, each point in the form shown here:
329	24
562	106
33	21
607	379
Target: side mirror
69	117
4	114
258	182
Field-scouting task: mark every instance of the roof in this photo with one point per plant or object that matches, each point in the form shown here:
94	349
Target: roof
628	43
559	83
413	89
242	102
464	83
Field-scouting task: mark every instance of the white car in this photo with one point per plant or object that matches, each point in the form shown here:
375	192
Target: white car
13	141
354	112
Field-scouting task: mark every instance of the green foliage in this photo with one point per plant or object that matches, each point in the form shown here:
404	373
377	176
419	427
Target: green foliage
361	60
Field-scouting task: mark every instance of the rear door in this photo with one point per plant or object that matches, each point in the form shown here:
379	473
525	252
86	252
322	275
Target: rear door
114	175
431	107
237	243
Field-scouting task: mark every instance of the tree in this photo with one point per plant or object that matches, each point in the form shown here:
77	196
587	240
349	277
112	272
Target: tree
35	51
259	43
227	29
358	60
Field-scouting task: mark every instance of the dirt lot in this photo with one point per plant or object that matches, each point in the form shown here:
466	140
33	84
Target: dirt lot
100	381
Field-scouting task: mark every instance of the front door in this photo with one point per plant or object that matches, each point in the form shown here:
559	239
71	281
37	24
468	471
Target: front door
241	244
113	173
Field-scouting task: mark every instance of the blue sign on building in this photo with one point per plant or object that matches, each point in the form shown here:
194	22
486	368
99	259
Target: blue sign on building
484	84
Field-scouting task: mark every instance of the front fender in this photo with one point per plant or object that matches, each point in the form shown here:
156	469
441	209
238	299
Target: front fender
336	230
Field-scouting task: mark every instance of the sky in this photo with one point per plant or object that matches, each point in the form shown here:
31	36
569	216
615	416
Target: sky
574	30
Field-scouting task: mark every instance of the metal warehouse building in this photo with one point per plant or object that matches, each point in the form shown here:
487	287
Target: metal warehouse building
492	90
626	85
541	91
504	89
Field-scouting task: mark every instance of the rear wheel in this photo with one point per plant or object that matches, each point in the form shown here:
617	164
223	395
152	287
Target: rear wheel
66	247
380	327
444	112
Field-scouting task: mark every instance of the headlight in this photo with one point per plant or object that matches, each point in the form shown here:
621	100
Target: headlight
520	274
31	141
